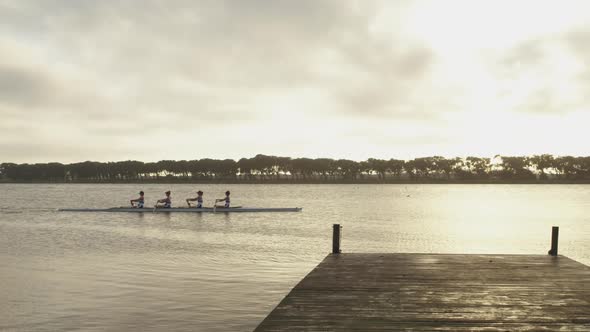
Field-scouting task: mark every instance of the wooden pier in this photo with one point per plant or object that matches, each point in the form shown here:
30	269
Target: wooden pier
437	292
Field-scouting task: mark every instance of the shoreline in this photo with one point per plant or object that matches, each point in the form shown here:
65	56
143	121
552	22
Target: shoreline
288	181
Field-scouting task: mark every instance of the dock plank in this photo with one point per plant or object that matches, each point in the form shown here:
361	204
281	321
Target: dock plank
437	292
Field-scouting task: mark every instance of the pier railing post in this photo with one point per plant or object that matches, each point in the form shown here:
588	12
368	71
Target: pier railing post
336	235
554	240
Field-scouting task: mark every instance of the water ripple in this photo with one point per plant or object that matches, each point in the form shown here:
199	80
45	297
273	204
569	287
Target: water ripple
225	272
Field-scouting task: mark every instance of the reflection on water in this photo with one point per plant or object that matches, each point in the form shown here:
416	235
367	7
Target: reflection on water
225	272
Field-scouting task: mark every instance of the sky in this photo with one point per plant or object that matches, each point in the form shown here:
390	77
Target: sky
151	80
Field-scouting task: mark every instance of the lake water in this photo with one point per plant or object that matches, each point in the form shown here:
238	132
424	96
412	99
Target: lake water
226	272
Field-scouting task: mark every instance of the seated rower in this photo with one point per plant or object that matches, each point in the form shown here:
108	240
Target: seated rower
226	200
199	200
138	201
167	202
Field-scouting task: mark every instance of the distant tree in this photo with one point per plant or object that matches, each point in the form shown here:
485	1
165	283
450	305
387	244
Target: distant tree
54	171
88	170
270	168
380	166
410	168
349	169
423	166
461	169
479	167
245	167
322	167
264	164
541	163
566	166
516	168
584	170
395	166
227	168
444	166
150	170
11	171
283	165
3	171
303	167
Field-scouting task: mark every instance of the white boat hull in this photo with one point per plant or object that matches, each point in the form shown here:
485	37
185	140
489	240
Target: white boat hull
184	210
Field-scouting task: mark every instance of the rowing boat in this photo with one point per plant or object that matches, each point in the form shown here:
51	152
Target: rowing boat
184	209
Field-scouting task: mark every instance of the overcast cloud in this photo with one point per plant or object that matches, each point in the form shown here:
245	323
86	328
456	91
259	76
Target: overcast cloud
151	80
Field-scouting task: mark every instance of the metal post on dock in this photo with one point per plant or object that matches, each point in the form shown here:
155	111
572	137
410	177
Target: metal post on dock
554	240
336	235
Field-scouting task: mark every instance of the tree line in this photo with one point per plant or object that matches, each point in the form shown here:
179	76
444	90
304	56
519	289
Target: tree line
263	168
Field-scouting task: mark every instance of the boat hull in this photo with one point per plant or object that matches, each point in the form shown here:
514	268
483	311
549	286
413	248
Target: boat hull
183	210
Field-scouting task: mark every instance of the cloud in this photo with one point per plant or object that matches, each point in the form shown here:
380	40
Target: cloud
384	83
230	47
577	41
545	75
114	73
50	151
20	86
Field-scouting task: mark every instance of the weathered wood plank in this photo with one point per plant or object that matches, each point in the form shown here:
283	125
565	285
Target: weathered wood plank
437	292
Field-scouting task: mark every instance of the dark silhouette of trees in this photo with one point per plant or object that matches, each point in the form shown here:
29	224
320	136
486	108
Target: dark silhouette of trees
443	166
264	168
302	167
422	166
395	166
542	163
347	169
50	171
479	166
380	166
515	168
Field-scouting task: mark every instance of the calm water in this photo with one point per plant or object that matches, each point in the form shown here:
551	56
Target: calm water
226	272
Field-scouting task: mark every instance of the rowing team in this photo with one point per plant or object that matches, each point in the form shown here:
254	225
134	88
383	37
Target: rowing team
167	201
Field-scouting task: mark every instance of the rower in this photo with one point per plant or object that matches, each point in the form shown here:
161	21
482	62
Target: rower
138	201
199	200
166	201
226	200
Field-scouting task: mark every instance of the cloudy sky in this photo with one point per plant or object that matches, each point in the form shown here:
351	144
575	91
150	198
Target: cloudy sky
150	80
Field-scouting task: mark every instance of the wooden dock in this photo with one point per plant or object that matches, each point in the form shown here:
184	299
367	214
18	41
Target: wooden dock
437	292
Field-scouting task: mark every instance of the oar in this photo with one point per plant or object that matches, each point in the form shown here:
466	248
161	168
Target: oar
155	207
214	206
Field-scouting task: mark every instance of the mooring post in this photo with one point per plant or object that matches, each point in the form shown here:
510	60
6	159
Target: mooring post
554	240
336	234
